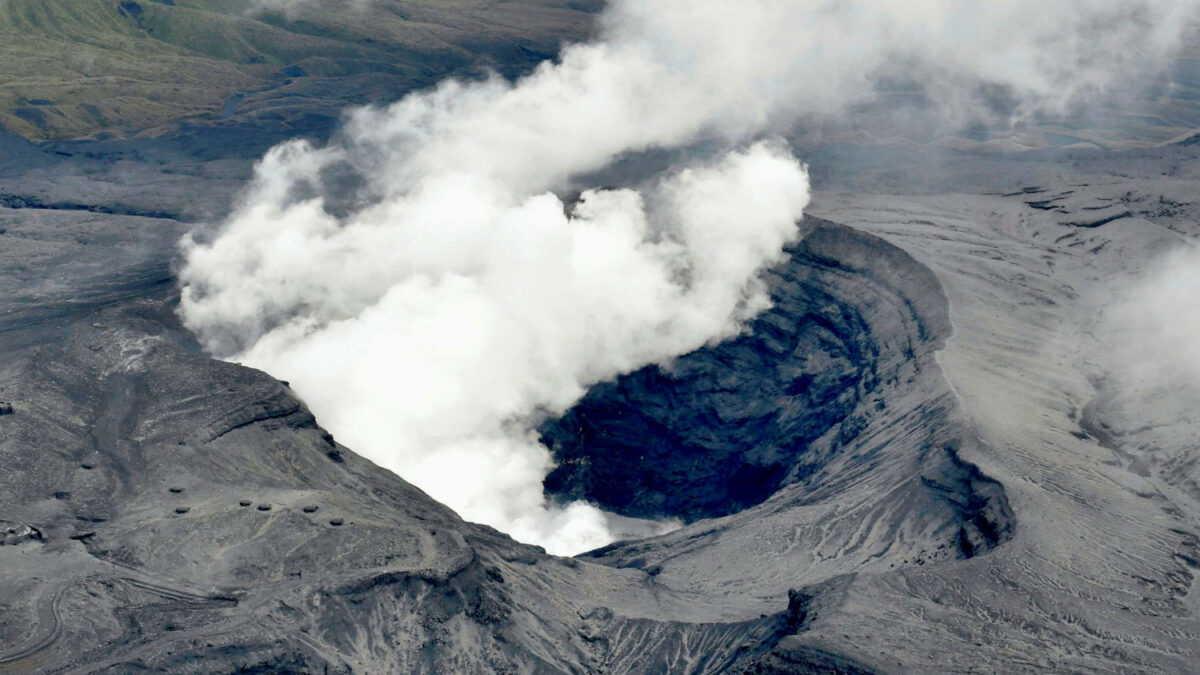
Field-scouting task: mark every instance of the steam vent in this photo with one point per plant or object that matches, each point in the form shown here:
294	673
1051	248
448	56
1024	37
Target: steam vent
625	336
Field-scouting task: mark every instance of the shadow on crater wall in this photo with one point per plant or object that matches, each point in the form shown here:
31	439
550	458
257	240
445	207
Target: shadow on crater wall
725	427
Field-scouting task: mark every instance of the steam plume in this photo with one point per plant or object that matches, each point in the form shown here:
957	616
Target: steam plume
422	286
291	7
1151	329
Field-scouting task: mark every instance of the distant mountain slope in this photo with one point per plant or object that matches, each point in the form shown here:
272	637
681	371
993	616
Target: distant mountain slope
78	68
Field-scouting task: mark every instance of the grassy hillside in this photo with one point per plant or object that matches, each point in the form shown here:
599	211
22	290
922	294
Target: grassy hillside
77	68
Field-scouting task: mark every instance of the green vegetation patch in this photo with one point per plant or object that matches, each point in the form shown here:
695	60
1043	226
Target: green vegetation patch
78	68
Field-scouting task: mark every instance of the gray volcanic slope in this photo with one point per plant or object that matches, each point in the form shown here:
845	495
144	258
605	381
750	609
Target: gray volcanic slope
922	458
191	515
931	507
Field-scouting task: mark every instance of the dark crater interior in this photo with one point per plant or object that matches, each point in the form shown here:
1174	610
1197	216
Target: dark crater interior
725	427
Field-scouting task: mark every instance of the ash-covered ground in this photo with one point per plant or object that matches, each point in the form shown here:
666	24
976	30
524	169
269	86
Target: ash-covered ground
942	449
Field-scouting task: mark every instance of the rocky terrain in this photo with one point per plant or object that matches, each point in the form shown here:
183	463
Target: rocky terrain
923	457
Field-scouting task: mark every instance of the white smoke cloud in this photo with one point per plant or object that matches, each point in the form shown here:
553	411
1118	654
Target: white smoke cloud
434	315
1150	330
292	8
427	331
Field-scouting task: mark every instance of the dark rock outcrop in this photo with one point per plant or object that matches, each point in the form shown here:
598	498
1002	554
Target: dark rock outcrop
15	535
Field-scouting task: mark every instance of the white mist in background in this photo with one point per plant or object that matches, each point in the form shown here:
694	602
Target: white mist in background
432	318
1153	331
292	8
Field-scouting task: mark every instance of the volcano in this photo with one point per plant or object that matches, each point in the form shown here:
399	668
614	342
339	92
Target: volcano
933	449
